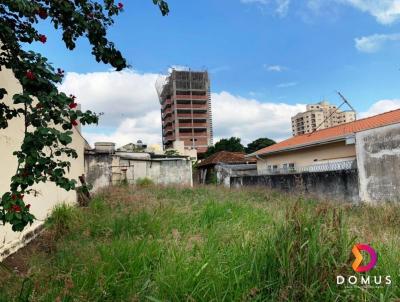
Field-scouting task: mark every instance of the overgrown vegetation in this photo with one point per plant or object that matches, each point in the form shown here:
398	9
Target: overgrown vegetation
206	244
49	116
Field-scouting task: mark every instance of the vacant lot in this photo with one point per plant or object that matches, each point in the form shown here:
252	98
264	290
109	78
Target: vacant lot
204	244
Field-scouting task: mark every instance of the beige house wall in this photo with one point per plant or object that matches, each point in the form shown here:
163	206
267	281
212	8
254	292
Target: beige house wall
50	195
306	157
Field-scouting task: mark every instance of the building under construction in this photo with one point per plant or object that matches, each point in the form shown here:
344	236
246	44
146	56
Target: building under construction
186	109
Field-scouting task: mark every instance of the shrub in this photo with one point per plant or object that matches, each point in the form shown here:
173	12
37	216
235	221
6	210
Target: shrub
144	182
61	219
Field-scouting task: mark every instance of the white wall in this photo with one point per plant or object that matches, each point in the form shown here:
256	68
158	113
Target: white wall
50	195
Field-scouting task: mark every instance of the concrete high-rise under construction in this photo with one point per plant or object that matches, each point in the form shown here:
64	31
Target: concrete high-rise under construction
186	109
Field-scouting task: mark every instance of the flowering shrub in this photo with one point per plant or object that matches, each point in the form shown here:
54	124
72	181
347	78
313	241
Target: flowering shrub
49	115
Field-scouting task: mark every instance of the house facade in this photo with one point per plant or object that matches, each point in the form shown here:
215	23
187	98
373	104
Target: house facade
368	148
331	146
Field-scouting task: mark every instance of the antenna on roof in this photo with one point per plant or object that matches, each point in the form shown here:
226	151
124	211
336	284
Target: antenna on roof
348	103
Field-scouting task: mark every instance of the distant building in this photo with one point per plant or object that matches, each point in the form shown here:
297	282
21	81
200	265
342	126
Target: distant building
105	166
131	147
186	109
220	166
320	116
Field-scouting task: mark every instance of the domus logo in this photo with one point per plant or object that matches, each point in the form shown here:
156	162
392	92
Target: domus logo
359	251
359	258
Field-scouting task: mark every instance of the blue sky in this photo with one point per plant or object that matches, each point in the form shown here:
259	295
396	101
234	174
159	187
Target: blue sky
265	51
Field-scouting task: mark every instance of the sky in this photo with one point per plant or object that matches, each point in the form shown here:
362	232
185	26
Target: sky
266	59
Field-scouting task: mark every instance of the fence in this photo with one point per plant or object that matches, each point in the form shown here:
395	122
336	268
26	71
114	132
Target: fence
324	167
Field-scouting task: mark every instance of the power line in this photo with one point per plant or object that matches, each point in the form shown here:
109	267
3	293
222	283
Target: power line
327	118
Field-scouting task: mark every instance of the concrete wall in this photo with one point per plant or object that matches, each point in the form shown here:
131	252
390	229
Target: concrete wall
334	185
306	157
104	170
378	158
50	195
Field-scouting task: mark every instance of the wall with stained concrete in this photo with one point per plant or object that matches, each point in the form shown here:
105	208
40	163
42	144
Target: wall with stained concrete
49	195
103	170
331	185
378	159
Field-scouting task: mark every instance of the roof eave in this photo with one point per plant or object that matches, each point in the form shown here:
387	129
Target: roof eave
304	146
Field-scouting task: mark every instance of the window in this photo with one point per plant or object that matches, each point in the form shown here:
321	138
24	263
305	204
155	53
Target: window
291	167
274	168
285	167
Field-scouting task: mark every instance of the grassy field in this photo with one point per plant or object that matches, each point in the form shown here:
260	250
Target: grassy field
204	244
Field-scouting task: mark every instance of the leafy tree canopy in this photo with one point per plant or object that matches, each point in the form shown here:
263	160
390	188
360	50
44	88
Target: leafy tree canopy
258	144
232	144
49	116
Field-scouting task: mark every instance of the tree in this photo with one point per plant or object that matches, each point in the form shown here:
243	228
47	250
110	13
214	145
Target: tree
258	144
232	144
48	114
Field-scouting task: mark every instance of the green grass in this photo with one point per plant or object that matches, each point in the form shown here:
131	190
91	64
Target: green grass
206	244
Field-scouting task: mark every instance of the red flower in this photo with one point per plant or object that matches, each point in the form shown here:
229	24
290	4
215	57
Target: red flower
42	38
42	13
21	196
38	106
74	123
30	75
16	208
120	6
13	197
28	206
73	105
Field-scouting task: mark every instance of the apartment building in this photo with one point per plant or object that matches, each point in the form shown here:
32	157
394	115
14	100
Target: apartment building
186	116
320	116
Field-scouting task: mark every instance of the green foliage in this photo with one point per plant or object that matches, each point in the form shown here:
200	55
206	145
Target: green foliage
209	244
232	144
144	182
258	144
49	116
61	219
171	152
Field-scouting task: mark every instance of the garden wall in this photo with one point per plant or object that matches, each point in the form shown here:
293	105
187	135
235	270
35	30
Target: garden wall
339	185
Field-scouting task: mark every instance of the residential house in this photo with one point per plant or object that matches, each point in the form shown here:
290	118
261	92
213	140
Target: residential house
324	149
219	167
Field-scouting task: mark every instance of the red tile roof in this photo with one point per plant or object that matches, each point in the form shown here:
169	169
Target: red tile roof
226	158
334	133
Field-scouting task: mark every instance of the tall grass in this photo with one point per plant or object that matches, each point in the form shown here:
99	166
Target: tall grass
208	244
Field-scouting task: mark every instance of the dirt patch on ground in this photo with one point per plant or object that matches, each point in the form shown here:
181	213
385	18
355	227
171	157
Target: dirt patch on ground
18	262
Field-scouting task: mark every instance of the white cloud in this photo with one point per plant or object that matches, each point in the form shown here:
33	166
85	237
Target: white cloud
132	111
287	85
374	43
250	119
385	11
275	68
381	106
281	7
128	100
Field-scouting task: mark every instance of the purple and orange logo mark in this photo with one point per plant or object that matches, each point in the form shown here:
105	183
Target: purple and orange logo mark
359	258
